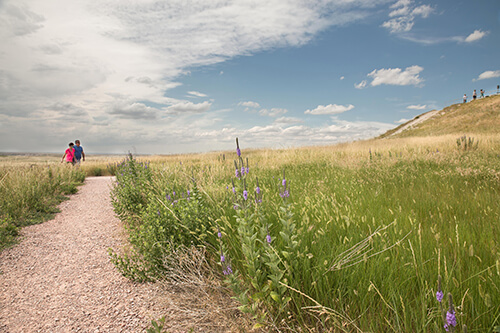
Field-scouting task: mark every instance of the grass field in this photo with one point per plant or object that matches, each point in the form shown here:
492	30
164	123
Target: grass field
359	243
346	238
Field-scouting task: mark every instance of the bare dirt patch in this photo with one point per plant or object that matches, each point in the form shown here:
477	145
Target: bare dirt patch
59	278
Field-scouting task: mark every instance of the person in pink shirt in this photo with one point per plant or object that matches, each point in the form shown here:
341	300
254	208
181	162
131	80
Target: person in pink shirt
69	154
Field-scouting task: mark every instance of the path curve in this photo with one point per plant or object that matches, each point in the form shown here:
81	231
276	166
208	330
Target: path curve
59	277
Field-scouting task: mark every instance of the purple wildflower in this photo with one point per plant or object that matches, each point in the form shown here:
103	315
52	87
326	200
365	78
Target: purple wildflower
222	258
268	238
238	151
451	319
439	295
228	270
159	214
243	170
189	193
245	194
257	190
219	234
283	182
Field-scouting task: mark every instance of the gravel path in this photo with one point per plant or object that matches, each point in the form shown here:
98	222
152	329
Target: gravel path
59	277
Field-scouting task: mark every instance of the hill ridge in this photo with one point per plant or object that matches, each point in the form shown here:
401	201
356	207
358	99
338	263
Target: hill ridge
481	116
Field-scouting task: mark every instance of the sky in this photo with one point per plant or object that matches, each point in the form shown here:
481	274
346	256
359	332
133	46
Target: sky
188	76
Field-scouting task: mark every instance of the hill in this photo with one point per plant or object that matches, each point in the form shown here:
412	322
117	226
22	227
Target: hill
481	116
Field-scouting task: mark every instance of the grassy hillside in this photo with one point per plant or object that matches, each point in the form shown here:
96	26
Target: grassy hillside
481	116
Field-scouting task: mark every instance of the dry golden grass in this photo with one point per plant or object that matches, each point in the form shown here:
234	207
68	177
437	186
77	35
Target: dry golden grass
481	116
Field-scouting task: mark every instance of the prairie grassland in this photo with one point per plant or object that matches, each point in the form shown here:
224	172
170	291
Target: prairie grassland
94	165
348	238
30	193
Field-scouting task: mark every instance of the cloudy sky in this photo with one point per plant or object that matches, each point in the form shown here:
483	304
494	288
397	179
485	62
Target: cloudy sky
174	76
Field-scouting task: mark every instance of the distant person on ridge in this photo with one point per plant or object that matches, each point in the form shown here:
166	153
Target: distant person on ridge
79	154
482	93
465	98
69	154
474	95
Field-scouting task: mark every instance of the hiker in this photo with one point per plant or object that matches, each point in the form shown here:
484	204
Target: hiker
79	154
474	95
482	93
465	98
69	154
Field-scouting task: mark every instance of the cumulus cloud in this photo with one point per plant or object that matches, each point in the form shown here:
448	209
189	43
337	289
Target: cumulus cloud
288	120
416	107
274	112
402	121
475	36
188	107
397	76
403	15
134	111
330	109
117	62
488	75
250	104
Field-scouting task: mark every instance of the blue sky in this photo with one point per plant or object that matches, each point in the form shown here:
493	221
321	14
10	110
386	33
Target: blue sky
182	76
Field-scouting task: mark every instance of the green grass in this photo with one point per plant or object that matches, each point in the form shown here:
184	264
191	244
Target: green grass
361	241
30	195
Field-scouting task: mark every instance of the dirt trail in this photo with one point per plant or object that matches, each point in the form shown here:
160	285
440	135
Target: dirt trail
59	278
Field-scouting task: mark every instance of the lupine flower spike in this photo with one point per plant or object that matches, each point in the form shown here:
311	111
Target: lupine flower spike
238	151
439	293
268	237
245	192
451	319
237	171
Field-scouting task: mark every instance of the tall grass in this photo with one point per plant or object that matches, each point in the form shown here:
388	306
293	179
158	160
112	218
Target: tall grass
358	244
30	195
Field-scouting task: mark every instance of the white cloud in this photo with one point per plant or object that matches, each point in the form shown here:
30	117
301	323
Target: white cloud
416	107
341	78
250	104
475	36
396	76
188	107
423	11
330	109
274	112
288	120
360	85
196	94
488	75
118	61
134	111
400	24
403	16
402	121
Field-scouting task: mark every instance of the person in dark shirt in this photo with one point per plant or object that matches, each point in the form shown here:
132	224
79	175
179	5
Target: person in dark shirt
79	154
